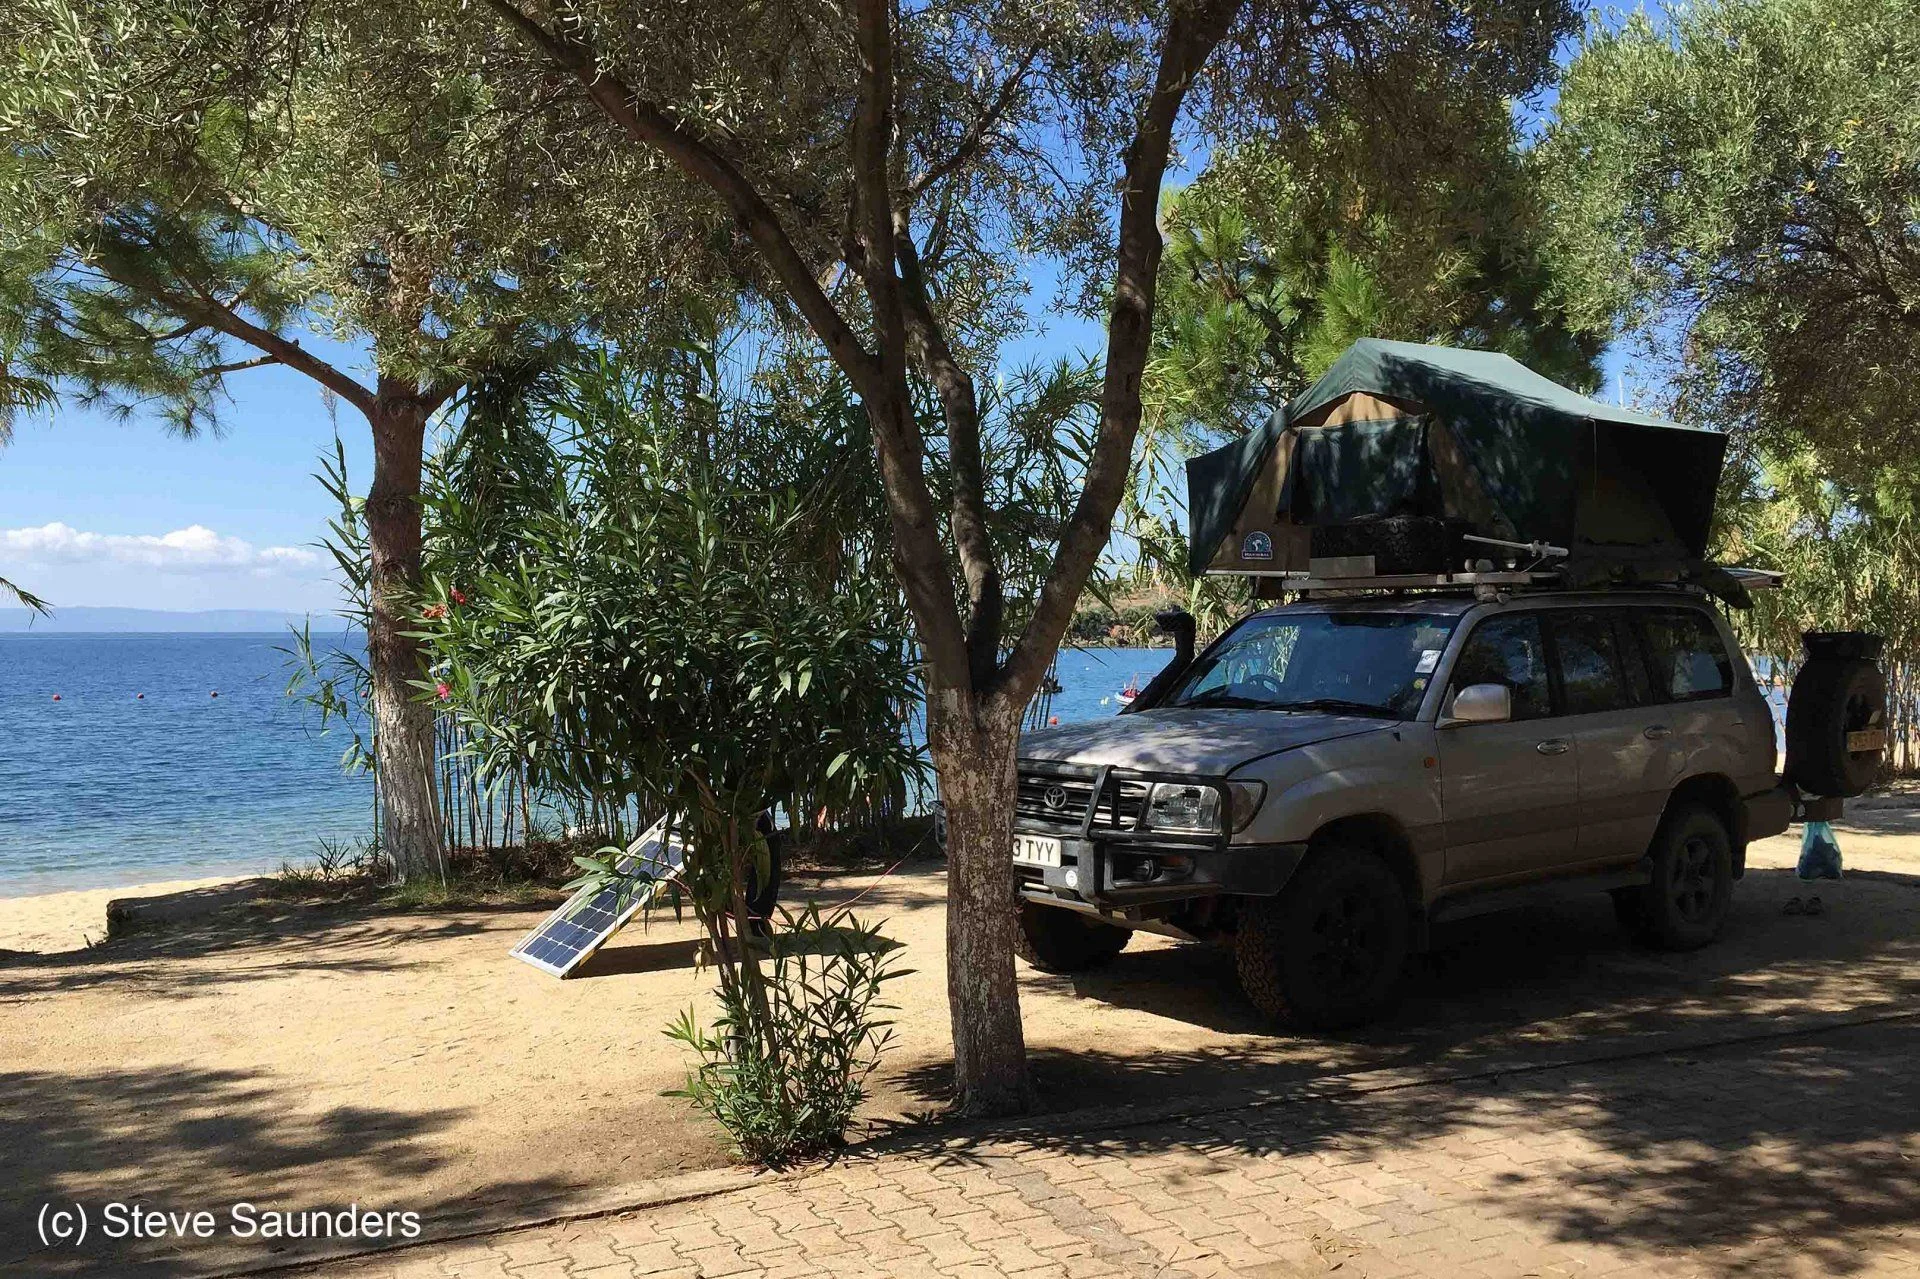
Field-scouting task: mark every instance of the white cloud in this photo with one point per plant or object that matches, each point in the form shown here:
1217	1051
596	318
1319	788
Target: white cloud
194	549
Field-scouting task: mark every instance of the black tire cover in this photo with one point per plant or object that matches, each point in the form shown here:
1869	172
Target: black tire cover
1831	698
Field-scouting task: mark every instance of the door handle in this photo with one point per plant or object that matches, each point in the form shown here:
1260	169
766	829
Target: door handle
1657	733
1553	746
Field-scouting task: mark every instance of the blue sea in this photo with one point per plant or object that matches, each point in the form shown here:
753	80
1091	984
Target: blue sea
107	787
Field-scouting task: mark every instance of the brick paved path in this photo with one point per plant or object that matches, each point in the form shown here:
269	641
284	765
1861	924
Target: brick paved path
1774	1157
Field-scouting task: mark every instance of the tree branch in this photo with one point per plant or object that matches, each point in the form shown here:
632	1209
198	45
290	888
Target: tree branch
960	406
976	134
919	558
220	370
204	310
649	123
1193	31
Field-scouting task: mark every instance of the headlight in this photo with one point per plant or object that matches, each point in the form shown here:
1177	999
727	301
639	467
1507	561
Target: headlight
1188	808
1184	807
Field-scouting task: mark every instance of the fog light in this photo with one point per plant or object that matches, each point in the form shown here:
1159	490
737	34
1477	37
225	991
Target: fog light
1071	879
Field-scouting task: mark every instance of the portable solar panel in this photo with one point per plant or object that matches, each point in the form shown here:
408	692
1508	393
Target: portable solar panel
582	924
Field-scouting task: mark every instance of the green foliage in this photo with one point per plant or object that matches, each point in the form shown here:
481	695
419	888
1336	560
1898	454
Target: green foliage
1851	558
1735	186
1277	261
826	973
686	612
33	603
184	182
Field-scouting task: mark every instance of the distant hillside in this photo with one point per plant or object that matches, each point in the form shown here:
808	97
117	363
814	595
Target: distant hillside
99	620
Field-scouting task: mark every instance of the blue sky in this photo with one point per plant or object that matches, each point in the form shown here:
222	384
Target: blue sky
100	512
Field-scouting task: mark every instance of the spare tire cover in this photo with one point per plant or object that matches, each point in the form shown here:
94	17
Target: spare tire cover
1831	699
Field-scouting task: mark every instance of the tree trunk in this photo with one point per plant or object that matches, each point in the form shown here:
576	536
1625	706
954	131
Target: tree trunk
973	749
403	724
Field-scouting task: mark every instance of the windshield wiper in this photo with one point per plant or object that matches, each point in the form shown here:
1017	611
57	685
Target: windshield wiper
1220	697
1335	705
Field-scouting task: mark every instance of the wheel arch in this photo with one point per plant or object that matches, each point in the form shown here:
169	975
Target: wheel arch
1385	835
1715	791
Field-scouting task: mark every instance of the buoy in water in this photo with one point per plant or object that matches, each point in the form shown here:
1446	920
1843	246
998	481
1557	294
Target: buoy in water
139	697
215	693
56	697
1053	719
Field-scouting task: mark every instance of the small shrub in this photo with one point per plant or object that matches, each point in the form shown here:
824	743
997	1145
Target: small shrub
822	1018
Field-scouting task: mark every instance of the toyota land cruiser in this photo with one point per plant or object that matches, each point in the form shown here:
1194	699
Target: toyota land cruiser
1331	777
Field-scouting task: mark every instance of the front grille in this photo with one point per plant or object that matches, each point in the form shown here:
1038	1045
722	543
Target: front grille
1070	796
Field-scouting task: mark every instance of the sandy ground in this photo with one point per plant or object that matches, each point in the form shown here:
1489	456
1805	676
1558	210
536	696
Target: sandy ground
304	1058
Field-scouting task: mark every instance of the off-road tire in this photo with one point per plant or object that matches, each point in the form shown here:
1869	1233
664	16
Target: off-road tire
1686	905
1831	698
1056	940
1329	951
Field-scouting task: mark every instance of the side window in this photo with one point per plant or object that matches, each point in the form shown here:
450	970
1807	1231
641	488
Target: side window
1592	677
1687	658
1633	657
1508	650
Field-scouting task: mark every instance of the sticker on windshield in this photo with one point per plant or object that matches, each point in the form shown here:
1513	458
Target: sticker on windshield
1429	658
1256	546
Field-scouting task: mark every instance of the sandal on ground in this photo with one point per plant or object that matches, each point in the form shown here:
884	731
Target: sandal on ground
1794	906
1814	906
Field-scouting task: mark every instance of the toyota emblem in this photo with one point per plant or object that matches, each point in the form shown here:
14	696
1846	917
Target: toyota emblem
1055	798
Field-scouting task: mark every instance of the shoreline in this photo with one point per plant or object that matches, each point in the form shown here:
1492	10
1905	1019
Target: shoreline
63	920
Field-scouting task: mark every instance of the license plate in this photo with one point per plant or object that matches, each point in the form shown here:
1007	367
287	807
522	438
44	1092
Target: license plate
1036	850
1871	739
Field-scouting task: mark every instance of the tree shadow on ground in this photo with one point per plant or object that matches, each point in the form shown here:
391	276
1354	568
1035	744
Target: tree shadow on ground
1526	985
1548	1003
115	1135
1760	1158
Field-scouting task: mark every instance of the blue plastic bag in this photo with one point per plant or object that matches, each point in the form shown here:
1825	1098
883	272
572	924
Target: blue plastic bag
1819	852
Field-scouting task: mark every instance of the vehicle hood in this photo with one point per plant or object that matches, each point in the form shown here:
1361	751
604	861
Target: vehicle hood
1178	740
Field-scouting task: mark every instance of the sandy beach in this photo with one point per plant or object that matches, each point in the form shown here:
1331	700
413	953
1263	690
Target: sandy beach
53	923
303	1055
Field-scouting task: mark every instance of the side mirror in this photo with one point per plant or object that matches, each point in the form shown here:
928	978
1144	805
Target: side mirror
1481	704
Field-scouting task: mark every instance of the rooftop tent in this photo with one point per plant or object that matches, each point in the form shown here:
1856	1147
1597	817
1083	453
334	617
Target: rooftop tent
1474	439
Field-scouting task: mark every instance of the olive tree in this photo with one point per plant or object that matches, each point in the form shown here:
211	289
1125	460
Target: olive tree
194	189
1735	186
872	155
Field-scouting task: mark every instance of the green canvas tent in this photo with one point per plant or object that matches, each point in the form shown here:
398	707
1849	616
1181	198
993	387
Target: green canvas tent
1470	440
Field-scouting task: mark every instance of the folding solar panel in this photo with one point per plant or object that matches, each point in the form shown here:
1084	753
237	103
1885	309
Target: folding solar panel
582	924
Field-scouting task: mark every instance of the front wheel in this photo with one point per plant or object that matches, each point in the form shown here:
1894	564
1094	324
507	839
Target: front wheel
1056	940
1328	952
1686	905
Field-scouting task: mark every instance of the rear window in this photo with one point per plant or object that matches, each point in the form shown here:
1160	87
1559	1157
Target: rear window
1685	656
1593	665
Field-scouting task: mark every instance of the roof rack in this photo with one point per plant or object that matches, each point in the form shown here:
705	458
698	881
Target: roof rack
1482	584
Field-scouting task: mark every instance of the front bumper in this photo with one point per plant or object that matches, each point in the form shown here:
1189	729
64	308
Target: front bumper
1109	860
1139	874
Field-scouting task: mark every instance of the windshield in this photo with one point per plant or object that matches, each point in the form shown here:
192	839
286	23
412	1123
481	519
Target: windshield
1345	663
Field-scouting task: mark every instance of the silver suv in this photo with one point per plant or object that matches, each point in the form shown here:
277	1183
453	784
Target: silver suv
1331	777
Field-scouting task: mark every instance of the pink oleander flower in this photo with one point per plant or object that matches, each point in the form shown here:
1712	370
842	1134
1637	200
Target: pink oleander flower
444	690
459	596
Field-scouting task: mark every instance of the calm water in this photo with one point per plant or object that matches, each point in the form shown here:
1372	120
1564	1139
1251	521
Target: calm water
104	788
